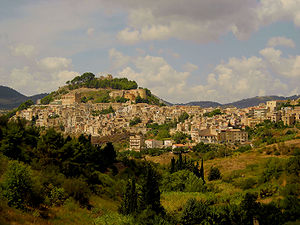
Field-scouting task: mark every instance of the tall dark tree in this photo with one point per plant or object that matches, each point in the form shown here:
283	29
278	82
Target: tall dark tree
150	193
201	172
249	207
129	203
172	170
109	153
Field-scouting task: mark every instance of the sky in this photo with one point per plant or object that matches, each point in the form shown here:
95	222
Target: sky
191	50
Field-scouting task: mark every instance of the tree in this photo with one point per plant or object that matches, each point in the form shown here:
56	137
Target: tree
201	172
184	116
150	193
129	202
172	170
17	185
214	174
194	212
109	153
250	207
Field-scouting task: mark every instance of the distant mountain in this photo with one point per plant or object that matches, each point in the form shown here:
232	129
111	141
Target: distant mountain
204	104
244	103
10	98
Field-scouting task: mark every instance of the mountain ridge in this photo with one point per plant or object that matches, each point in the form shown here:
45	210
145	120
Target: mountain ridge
10	98
244	103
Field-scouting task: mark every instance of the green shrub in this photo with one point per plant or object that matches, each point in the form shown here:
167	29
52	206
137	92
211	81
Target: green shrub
18	185
78	189
57	196
248	183
214	174
182	180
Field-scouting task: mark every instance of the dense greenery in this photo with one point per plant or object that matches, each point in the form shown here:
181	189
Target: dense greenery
135	121
103	111
213	113
48	176
88	80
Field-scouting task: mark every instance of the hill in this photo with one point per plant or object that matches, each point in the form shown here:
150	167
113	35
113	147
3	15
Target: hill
244	103
105	90
10	98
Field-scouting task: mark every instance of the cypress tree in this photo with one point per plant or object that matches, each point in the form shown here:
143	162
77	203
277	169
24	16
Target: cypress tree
129	203
179	162
201	175
150	196
172	170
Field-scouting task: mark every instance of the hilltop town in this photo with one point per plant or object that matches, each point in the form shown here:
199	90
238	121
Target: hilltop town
129	111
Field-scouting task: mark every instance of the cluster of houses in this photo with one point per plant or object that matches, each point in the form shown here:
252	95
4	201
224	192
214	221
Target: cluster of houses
74	117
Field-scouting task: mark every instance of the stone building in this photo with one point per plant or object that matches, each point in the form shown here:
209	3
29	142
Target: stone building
136	142
71	98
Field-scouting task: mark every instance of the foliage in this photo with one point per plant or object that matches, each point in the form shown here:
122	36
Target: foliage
214	174
244	148
180	137
78	189
194	212
129	203
25	105
18	185
162	131
103	111
47	99
150	193
213	113
88	80
201	147
183	180
135	121
184	164
184	116
121	99
273	169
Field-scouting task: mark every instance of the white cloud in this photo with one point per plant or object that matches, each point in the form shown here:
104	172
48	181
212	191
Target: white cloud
281	41
90	31
30	81
229	81
118	58
23	50
55	63
128	36
288	67
155	73
190	67
203	21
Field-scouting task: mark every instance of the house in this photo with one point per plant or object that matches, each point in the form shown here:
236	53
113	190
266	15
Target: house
71	98
151	143
206	136
168	143
232	136
136	142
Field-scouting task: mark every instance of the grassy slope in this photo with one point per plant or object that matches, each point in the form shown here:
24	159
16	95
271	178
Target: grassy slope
237	167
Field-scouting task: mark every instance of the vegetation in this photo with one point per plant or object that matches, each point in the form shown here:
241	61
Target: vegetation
213	113
46	178
88	80
135	121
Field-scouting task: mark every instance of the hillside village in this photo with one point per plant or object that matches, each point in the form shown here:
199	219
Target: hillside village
209	125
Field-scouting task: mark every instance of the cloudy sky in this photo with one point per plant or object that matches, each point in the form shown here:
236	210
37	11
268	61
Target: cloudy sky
191	50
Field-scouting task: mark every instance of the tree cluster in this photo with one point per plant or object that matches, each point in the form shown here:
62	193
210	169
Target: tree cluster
180	164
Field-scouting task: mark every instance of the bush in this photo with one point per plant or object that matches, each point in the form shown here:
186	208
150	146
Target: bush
182	180
248	183
194	212
214	174
78	189
18	185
